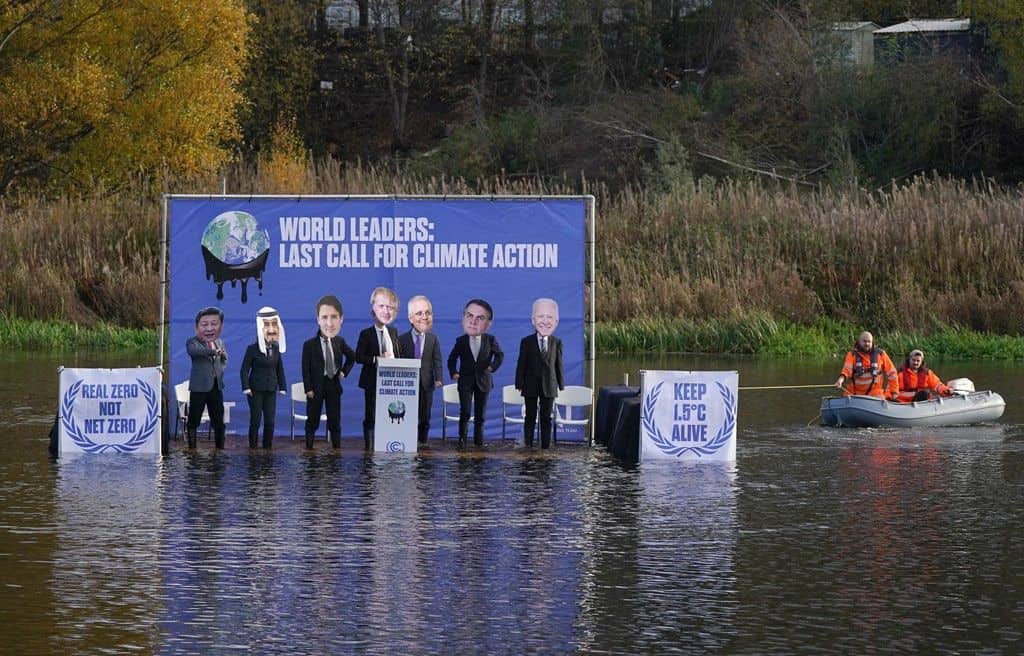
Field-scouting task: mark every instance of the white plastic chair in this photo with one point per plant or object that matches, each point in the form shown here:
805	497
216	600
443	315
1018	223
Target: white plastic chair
513	408
181	422
299	396
574	396
450	396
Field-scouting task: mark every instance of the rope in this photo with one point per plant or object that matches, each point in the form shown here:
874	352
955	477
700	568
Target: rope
774	387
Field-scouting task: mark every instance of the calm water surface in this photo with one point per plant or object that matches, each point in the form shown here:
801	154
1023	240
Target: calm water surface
815	541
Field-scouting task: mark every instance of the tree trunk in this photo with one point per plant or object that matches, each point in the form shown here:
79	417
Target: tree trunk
364	13
485	37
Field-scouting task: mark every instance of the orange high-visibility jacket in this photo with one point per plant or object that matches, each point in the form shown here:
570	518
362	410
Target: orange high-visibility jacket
860	379
911	382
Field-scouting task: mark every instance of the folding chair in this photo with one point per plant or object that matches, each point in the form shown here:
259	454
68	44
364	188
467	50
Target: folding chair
573	396
181	421
450	396
299	396
513	408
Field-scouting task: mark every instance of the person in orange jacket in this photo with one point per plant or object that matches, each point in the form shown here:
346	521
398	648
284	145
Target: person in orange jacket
918	382
869	370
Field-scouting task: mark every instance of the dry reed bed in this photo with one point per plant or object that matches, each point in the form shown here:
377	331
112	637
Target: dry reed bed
928	253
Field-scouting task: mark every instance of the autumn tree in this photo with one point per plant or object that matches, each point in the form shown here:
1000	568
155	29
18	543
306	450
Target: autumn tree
92	91
1003	25
280	82
887	12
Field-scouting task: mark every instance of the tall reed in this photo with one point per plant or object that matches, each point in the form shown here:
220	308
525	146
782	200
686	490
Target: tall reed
914	258
919	256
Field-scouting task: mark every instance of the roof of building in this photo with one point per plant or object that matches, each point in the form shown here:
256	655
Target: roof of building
854	26
928	25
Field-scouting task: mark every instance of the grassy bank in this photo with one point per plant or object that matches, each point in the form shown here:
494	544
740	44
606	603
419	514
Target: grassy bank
761	335
56	335
753	336
764	266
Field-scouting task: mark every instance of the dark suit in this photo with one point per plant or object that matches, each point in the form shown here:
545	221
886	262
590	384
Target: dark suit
326	390
431	374
263	376
367	350
539	376
206	388
475	380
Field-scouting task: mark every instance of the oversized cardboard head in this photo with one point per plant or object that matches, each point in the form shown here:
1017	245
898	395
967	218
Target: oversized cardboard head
270	330
421	313
209	324
329	315
477	317
383	306
545	316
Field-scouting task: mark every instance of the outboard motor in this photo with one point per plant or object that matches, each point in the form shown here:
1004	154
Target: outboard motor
961	385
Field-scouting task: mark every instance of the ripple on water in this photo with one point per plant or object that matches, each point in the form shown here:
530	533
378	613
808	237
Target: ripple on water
815	540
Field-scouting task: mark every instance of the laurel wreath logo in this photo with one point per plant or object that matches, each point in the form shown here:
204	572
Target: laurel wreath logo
83	441
396	447
669	448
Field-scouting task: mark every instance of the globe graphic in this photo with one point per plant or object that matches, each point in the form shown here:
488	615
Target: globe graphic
235	238
396	408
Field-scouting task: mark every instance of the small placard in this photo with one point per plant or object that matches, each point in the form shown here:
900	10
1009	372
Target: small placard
688	415
110	411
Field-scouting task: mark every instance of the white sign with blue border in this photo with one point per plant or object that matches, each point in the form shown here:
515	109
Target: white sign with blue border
110	411
397	411
688	415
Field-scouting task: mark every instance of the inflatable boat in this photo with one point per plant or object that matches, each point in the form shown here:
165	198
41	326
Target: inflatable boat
957	410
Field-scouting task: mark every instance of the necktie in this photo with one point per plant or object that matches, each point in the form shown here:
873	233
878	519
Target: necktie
474	343
419	345
544	344
328	359
383	343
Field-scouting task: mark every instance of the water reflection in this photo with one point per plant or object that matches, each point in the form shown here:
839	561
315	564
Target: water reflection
688	534
106	578
661	561
832	540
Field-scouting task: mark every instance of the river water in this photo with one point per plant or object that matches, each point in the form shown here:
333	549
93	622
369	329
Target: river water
816	540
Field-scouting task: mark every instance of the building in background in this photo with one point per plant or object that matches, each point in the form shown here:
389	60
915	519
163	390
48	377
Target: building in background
923	38
856	42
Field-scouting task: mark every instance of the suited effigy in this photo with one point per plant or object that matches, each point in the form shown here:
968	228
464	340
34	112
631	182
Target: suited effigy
206	378
421	343
472	362
326	359
539	370
375	342
262	375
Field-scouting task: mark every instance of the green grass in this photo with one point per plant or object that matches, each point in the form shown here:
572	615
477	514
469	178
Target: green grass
764	336
754	335
57	335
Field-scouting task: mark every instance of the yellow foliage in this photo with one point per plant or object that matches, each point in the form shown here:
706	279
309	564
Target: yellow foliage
286	169
1004	25
95	91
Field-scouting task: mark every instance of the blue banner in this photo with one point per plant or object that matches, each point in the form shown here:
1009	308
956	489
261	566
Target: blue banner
243	253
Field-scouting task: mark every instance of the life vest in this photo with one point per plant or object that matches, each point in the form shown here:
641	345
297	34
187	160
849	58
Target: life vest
913	382
876	377
860	372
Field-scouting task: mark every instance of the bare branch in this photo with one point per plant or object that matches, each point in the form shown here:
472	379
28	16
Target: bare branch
716	158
